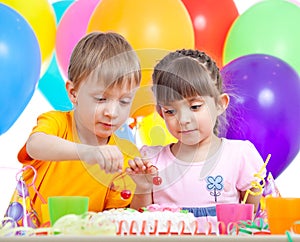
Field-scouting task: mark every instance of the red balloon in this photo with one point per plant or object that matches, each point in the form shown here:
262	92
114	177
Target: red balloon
211	22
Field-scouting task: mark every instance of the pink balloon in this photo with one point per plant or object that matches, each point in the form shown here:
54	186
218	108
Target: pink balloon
71	29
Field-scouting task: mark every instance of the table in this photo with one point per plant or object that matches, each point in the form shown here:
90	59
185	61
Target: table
184	238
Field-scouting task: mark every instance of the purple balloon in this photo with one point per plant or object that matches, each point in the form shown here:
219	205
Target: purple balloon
264	107
15	211
22	189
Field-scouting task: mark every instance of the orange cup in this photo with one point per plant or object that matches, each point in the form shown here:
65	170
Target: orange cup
282	213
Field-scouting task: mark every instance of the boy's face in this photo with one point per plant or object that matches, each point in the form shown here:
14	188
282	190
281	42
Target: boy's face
100	111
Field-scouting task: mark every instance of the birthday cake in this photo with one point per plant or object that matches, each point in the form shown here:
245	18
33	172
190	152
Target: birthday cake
152	220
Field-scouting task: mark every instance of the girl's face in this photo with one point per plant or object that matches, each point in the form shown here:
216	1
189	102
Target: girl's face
100	111
191	120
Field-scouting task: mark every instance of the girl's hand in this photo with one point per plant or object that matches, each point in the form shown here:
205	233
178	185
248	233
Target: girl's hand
108	157
142	172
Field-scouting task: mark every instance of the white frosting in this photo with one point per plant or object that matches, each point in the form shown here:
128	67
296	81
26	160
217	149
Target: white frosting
129	221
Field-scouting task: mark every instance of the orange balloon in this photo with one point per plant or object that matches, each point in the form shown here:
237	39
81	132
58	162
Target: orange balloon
146	24
153	28
143	103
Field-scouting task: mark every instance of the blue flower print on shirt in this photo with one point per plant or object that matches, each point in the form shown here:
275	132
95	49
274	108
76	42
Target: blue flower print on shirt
215	185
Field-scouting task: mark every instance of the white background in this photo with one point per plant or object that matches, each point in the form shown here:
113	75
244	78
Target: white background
14	138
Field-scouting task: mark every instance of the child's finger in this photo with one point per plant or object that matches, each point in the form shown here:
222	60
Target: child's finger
128	170
139	164
132	165
147	163
116	162
152	169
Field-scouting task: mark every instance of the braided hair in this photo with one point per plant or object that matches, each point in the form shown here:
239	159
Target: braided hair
187	73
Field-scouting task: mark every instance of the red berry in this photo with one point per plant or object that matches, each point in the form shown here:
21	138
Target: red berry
157	180
126	194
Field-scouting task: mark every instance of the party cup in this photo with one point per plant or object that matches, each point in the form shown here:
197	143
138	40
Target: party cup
60	206
282	213
229	215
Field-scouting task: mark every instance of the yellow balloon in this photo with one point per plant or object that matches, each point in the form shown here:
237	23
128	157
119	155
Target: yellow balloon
41	17
153	131
153	28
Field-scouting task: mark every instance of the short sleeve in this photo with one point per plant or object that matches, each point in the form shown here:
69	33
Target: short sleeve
251	164
54	123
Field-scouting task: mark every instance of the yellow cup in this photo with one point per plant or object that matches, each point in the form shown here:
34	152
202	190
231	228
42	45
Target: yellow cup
63	205
282	213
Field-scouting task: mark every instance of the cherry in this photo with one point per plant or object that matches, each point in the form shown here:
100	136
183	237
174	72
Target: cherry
157	180
125	194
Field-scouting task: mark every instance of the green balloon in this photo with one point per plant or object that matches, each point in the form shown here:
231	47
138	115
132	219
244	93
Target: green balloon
268	27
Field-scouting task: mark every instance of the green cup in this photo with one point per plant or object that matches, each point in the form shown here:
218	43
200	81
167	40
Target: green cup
60	206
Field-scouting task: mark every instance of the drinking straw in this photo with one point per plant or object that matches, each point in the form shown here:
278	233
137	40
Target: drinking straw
257	183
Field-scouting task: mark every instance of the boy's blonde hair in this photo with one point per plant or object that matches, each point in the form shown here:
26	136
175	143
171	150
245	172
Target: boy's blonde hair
108	57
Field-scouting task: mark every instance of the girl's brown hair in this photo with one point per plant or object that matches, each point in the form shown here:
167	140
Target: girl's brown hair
187	73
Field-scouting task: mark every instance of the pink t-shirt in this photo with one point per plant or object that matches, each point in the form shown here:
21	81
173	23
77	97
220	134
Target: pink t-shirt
205	183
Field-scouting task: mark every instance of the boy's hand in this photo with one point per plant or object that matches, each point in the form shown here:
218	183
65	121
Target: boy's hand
142	172
108	157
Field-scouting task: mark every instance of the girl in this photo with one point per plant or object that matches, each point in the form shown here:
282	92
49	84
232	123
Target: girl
201	169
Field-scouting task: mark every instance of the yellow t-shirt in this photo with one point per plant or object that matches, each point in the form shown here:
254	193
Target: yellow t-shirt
75	178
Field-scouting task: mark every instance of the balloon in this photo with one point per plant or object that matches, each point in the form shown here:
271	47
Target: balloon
265	107
52	84
211	24
20	64
40	16
153	131
152	27
268	27
157	26
71	28
143	103
22	189
15	211
60	7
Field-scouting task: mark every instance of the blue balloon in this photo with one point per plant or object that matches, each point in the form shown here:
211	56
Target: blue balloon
265	107
20	65
52	84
